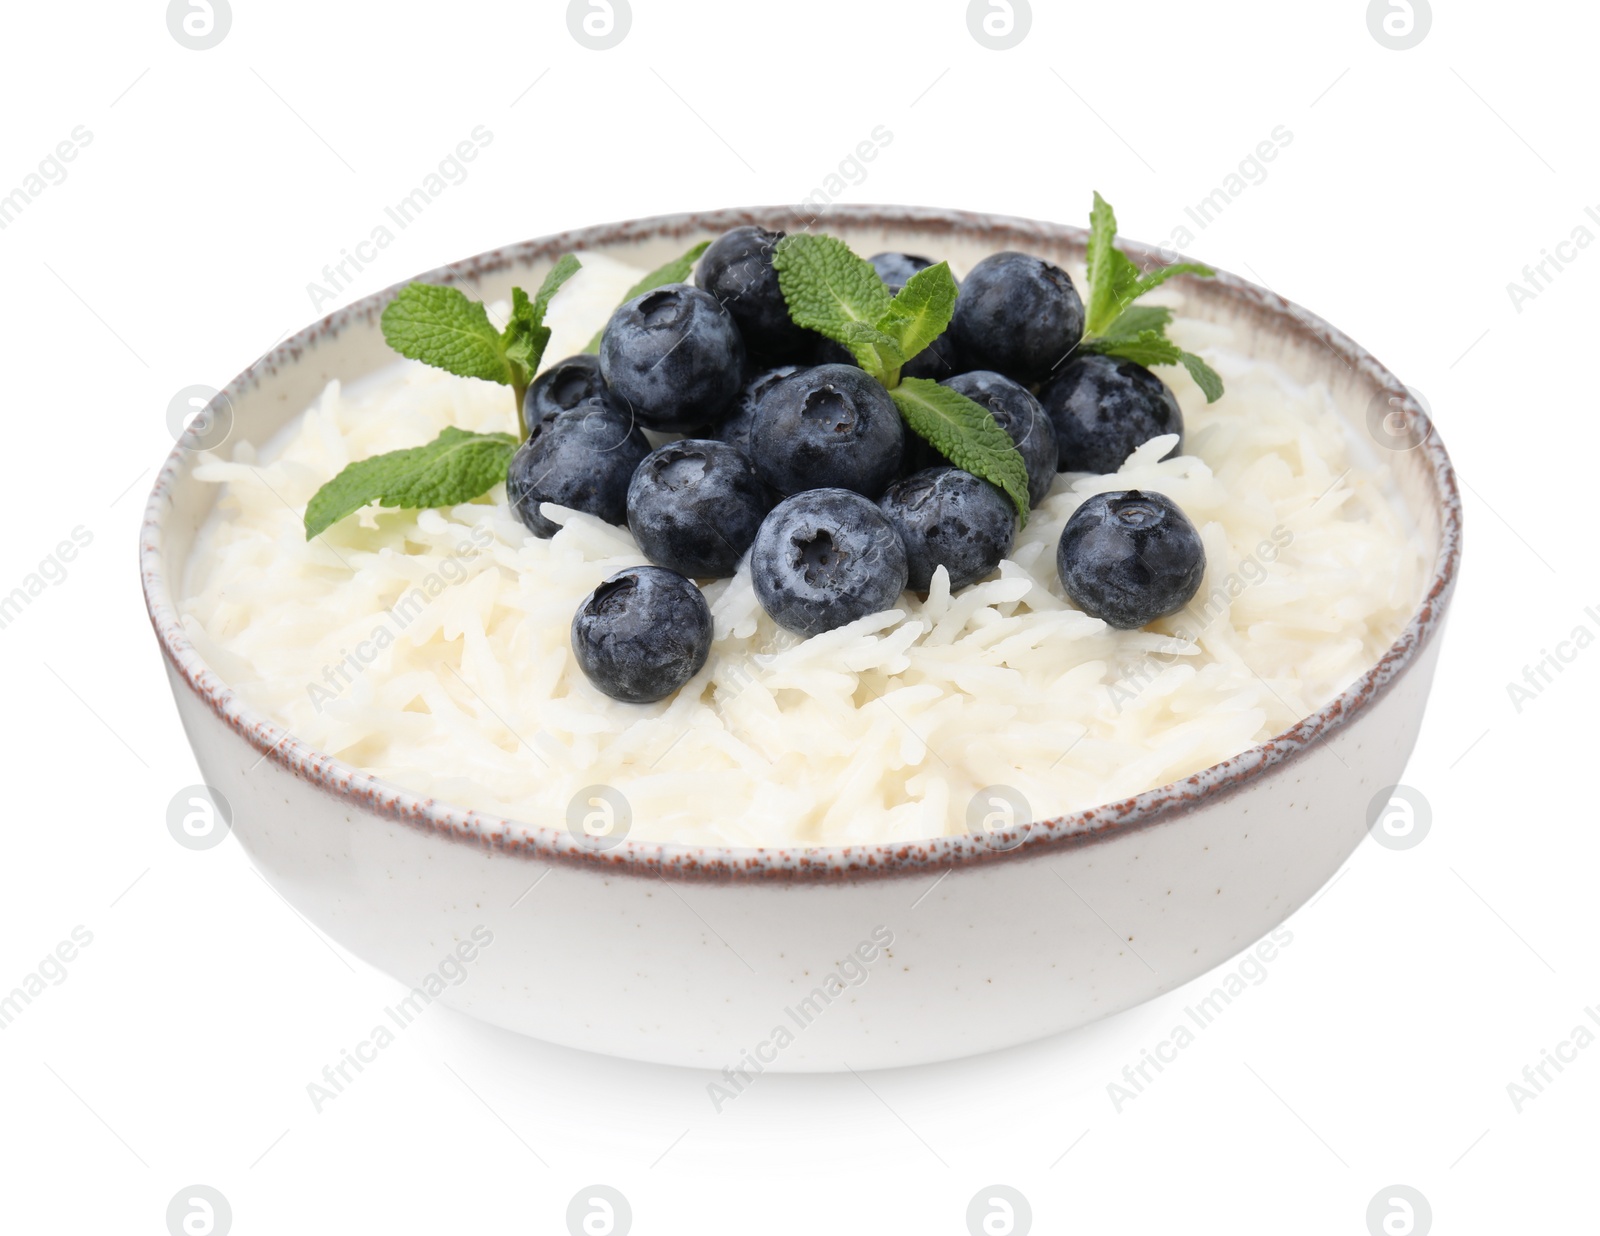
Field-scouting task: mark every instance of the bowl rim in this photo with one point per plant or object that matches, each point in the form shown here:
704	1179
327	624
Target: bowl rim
716	863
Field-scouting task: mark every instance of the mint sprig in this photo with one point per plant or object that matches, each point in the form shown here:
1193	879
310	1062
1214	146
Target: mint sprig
443	327
1114	326
455	467
675	271
835	292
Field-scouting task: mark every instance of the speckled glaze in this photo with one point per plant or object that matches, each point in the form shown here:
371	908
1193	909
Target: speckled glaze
698	955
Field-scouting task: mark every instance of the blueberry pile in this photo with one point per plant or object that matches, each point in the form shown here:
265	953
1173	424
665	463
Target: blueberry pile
795	455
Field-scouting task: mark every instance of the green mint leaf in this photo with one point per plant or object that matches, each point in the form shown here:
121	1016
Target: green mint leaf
921	310
966	434
1114	281
1152	347
526	335
1161	274
1102	237
675	271
1148	347
525	338
827	287
1122	286
1113	327
455	467
1112	277
1205	377
1137	318
443	327
566	266
875	351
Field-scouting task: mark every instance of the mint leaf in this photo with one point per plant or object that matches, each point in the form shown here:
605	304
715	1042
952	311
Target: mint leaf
966	434
876	352
566	266
827	287
675	271
1161	274
1112	277
1114	281
1102	235
1113	327
1138	318
526	336
921	309
457	466
1148	347
1205	377
1152	347
443	327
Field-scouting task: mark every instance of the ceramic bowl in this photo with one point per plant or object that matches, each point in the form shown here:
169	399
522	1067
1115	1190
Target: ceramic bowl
815	958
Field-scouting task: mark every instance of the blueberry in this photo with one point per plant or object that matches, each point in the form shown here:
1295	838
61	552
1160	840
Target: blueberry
949	517
1018	315
642	634
1017	412
831	425
1130	558
564	385
581	458
694	506
824	558
1104	408
734	428
737	271
675	356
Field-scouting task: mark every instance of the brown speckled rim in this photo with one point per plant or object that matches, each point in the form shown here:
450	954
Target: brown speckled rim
553	843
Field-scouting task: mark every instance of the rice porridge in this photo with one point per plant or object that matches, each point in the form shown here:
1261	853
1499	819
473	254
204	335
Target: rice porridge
432	648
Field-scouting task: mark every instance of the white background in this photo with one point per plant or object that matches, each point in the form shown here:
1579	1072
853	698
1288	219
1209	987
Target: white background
179	247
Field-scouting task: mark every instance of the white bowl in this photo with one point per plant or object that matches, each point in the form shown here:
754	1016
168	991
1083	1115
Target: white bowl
814	959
